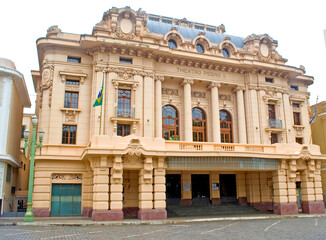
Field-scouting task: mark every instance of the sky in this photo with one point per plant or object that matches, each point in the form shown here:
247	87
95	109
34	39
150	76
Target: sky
297	25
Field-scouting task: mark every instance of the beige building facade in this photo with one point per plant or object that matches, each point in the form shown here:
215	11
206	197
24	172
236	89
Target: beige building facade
318	128
13	98
190	115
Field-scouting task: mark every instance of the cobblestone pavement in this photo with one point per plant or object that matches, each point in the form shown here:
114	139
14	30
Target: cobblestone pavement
287	228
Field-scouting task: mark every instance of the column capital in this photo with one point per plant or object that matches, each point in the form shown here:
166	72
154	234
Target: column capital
213	85
187	81
159	78
253	87
239	88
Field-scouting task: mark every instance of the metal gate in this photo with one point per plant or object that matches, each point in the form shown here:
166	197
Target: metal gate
66	199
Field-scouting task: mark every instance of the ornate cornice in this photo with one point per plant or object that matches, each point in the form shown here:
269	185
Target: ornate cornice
268	89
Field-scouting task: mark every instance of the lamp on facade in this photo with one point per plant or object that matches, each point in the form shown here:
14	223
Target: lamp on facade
29	216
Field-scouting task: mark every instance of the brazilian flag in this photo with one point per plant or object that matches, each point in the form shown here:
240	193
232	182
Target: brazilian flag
98	101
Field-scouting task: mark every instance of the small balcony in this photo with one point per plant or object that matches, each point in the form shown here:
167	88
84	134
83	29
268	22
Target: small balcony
124	112
275	123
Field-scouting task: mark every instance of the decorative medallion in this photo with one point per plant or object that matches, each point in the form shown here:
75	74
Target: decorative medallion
134	146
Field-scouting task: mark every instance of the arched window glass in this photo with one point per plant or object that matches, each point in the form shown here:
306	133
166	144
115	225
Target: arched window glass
198	125
226	127
200	48
225	52
170	122
172	44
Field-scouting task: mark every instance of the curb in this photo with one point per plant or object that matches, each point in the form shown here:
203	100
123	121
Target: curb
155	222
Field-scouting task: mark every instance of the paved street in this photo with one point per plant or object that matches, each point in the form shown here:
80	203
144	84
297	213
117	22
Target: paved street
286	228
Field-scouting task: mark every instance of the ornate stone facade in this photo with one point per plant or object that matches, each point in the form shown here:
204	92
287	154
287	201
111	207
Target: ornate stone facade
177	109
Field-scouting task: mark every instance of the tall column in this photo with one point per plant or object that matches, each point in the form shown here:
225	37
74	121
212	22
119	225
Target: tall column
215	112
288	118
145	211
148	114
241	115
187	109
116	180
159	201
158	106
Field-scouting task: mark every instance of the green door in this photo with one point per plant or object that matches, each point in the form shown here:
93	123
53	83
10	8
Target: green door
66	199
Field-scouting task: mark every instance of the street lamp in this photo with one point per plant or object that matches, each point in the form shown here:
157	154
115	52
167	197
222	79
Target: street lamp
29	216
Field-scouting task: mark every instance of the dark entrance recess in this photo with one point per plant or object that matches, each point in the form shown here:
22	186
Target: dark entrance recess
200	188
228	188
173	188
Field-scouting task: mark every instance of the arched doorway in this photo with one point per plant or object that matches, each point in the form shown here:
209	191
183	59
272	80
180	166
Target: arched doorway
226	126
170	121
198	125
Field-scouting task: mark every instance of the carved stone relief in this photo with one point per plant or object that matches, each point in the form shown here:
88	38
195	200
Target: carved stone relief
196	94
223	97
169	91
65	176
47	82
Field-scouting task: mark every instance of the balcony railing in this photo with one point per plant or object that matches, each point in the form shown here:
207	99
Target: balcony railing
218	147
275	123
125	112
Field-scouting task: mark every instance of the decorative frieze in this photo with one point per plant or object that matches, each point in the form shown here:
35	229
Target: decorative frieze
170	91
196	94
65	176
225	97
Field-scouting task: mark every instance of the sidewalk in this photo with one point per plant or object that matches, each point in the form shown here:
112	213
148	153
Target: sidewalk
86	221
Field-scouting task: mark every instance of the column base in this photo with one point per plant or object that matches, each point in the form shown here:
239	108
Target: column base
216	201
41	212
152	214
107	215
243	201
87	212
264	206
186	202
130	212
313	207
286	208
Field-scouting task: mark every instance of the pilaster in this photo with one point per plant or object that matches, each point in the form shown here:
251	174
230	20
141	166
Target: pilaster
148	114
186	194
158	106
146	190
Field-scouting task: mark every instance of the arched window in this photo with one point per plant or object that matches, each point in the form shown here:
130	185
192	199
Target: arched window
200	48
225	52
172	44
170	123
198	125
226	127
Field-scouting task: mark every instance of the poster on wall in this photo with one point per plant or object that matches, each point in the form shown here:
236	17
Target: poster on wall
215	186
186	187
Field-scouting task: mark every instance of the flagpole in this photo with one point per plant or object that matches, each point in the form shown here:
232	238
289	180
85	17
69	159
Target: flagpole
312	121
100	128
